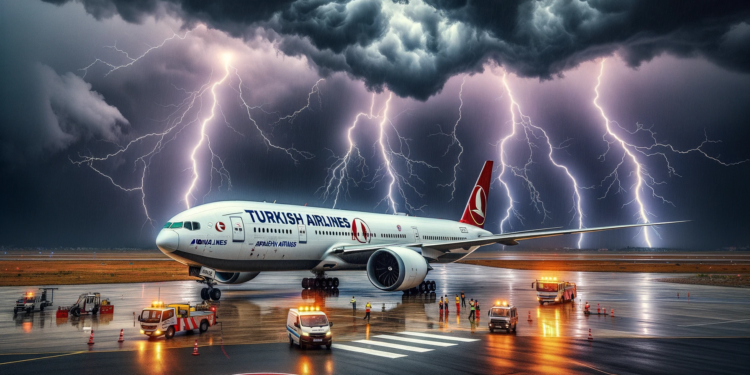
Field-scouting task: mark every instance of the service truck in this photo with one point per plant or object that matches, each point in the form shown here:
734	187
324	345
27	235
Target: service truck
308	326
549	290
166	320
29	302
503	316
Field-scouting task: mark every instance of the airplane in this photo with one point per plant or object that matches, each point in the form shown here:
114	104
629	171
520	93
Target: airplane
232	242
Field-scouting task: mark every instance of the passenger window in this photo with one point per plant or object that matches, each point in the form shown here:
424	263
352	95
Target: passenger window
176	225
196	225
167	225
188	225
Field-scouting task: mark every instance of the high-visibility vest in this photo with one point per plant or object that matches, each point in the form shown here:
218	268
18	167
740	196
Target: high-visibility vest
471	303
456	299
367	307
353	301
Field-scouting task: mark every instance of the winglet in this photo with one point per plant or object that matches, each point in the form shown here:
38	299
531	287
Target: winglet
475	212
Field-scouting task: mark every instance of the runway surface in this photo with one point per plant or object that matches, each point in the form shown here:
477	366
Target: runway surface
653	331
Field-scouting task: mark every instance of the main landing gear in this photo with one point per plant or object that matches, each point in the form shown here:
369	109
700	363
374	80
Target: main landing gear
427	286
320	283
210	292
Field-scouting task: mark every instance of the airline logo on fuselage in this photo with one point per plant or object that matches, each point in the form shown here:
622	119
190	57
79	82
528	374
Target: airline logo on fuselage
290	218
360	231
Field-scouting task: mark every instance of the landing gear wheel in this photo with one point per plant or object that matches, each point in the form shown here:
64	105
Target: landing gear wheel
329	283
433	285
204	294
170	333
421	287
304	283
318	283
215	294
204	324
335	282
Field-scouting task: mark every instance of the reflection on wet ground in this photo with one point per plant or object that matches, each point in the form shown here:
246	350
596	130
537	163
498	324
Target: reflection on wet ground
256	312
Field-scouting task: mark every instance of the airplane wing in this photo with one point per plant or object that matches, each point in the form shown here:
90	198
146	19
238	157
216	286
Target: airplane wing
509	239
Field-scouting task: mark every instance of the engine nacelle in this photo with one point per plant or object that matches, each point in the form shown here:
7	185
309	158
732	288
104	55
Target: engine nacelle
396	268
235	277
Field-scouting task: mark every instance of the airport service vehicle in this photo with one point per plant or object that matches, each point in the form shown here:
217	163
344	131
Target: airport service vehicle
308	326
232	242
503	316
28	301
88	304
549	290
166	320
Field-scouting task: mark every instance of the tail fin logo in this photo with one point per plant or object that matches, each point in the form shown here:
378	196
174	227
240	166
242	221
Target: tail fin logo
478	205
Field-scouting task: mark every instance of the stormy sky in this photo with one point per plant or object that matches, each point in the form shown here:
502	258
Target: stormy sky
104	103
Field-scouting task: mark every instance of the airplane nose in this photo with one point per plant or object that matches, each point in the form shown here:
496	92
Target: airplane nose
167	241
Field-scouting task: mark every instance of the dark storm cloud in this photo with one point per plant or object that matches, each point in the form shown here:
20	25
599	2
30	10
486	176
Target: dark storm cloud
52	112
412	48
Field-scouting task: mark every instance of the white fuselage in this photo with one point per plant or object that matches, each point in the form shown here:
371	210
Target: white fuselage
239	236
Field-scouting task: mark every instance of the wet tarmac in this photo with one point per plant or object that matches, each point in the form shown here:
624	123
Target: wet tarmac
652	331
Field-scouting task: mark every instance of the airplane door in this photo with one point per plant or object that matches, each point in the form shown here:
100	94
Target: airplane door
238	229
302	233
416	234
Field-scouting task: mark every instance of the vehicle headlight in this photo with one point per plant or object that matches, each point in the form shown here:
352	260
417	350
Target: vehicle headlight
158	332
305	334
328	334
142	331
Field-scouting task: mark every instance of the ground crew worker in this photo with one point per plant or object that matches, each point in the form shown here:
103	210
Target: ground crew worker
598	309
458	306
441	305
367	312
476	307
472	313
463	299
354	304
587	306
446	303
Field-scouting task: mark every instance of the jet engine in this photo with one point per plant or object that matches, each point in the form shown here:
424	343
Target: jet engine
396	268
235	277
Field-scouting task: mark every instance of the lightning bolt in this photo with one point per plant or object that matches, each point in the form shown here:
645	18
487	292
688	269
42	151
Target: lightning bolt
204	135
644	180
534	130
454	141
315	91
177	121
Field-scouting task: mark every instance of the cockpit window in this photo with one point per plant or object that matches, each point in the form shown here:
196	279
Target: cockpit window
196	225
176	225
167	225
188	225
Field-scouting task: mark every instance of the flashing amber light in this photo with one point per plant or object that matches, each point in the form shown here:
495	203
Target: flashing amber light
505	303
317	308
497	302
555	279
300	308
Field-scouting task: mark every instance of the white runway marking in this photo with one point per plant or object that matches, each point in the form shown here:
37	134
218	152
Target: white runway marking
415	341
706	324
368	351
394	346
439	337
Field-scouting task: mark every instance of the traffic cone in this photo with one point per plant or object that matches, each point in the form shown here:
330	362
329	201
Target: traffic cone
195	348
598	309
529	315
91	338
591	338
612	313
121	338
605	311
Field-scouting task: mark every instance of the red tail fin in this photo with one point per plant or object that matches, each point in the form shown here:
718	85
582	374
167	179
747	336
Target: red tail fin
476	209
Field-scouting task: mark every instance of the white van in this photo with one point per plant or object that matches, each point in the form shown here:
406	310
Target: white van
504	317
308	326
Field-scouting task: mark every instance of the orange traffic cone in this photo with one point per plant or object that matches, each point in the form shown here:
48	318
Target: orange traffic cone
605	311
529	315
591	338
91	338
195	348
612	313
121	338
